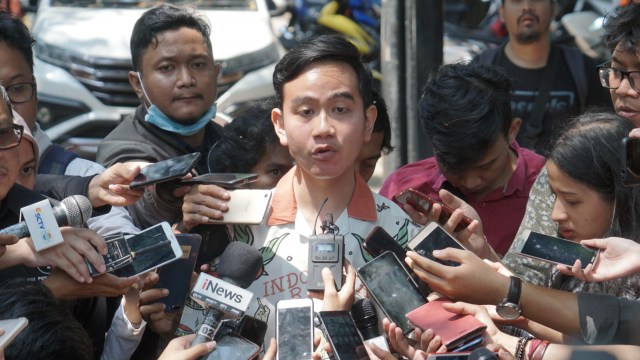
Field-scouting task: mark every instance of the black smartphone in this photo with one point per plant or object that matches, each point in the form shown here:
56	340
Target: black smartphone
391	286
341	331
176	276
226	180
379	241
556	250
165	170
423	203
247	326
434	237
630	161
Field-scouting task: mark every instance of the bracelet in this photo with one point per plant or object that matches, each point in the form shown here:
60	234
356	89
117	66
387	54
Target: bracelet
541	350
520	347
533	347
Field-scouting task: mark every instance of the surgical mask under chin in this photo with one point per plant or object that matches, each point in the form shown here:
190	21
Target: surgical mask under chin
158	118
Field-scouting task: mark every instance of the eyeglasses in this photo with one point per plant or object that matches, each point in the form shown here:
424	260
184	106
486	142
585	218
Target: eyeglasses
611	77
10	136
21	92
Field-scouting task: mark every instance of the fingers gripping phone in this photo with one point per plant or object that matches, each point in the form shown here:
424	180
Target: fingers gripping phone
630	161
294	329
434	237
423	203
389	284
235	347
246	206
342	334
225	180
165	170
556	250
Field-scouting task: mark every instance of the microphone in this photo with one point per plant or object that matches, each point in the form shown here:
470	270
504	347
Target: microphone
482	353
72	211
239	265
366	319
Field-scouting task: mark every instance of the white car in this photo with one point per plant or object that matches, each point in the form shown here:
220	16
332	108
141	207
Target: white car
82	58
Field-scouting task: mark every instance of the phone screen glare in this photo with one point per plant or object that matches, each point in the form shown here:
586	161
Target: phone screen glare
294	333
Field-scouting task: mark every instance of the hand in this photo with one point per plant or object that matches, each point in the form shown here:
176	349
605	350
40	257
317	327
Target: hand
6	239
428	341
180	349
333	300
112	186
635	133
473	281
161	322
131	303
204	202
272	350
491	335
618	257
64	287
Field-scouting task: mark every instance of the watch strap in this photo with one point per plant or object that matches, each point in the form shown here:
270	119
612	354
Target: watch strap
515	288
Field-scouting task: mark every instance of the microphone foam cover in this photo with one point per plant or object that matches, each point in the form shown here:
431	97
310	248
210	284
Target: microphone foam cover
79	209
240	263
482	353
364	313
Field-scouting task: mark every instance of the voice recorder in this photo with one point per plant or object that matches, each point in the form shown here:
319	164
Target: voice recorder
325	250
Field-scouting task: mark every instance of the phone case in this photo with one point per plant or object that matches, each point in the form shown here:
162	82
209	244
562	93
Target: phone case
246	207
176	276
226	180
165	170
378	241
454	329
11	327
423	202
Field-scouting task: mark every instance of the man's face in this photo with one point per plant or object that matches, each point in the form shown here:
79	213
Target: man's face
9	160
626	101
323	121
179	75
14	69
527	20
369	155
274	163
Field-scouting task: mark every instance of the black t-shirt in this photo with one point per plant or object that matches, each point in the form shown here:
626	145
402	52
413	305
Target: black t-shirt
563	102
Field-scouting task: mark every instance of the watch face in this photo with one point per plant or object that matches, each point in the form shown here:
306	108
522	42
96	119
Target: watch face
508	311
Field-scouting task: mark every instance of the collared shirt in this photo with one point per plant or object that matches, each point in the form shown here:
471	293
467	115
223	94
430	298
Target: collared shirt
501	210
283	243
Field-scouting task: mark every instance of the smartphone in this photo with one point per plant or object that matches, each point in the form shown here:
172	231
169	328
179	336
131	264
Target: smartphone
449	356
247	327
341	331
233	346
176	276
151	249
454	330
389	284
434	237
423	202
556	250
630	161
165	170
378	241
225	180
246	207
294	329
11	327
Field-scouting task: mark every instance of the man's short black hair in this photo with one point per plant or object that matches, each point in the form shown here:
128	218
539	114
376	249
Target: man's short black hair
464	109
162	18
16	34
52	332
623	29
322	48
383	123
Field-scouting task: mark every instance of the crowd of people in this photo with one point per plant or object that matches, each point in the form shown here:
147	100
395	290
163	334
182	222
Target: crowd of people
525	137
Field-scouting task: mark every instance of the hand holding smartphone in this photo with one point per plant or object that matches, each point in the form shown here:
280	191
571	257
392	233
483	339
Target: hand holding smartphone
423	203
434	237
176	276
556	250
342	334
294	329
165	170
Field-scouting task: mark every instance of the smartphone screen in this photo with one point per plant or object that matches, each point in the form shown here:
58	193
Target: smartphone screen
391	286
341	331
630	161
165	170
434	237
150	249
295	329
233	347
230	180
556	250
176	276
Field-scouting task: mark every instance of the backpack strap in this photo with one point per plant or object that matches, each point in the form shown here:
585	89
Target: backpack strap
55	160
576	64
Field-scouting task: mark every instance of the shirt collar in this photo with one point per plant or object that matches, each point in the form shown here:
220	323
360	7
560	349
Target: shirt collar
284	206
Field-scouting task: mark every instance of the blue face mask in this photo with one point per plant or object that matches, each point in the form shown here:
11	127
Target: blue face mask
158	118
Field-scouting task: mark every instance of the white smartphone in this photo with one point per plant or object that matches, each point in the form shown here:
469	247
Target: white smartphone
11	327
246	206
556	250
151	249
294	329
434	237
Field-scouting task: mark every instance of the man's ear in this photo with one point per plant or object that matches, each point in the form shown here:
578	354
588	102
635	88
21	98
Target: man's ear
278	124
514	128
370	115
134	80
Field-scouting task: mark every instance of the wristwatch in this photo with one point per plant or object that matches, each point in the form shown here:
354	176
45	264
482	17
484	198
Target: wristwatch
509	308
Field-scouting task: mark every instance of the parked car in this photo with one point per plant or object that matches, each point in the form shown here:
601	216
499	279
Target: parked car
82	59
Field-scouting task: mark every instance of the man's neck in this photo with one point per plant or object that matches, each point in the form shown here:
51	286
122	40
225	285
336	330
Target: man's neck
196	139
529	56
310	192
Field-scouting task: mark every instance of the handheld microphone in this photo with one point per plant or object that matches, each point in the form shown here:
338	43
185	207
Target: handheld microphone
366	319
72	211
482	353
226	296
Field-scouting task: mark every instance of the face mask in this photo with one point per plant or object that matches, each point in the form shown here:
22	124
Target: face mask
158	118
